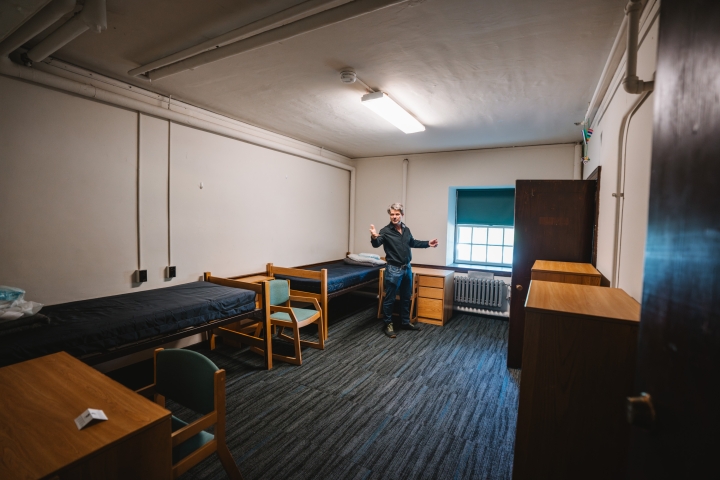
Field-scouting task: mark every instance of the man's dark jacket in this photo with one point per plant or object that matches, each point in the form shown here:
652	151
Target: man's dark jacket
397	246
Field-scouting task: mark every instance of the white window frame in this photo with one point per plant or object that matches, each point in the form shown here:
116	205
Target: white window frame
486	244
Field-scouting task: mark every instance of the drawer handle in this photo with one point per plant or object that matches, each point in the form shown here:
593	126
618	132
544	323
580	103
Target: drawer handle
518	288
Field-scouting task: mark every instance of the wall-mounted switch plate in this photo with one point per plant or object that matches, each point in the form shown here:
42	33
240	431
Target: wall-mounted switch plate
170	272
140	276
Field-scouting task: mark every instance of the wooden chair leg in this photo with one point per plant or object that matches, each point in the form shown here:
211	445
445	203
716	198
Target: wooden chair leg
380	302
413	318
298	351
228	463
321	334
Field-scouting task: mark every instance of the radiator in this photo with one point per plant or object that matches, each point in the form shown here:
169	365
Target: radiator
481	292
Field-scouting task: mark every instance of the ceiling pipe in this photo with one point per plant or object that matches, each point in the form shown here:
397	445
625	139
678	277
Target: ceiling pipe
52	12
332	16
611	64
631	82
617	54
92	17
94	14
273	21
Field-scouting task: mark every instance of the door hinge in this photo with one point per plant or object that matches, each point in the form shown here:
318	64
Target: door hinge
618	195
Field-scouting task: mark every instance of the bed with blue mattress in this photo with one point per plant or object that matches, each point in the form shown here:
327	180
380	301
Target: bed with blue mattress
321	281
341	278
104	328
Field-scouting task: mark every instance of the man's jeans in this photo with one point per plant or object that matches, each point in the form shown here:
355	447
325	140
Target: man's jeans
397	280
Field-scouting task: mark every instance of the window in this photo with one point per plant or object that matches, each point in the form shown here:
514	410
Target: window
484	226
484	244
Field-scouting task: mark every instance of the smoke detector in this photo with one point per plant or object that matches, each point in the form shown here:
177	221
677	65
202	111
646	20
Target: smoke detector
348	76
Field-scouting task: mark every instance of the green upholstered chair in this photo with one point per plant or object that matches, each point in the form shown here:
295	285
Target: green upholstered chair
283	316
193	381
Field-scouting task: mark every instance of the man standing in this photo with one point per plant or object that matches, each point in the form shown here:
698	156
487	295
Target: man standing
397	242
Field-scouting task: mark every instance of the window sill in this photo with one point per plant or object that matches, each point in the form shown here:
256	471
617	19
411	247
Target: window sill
501	271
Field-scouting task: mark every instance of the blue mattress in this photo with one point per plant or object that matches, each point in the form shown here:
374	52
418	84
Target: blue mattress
100	324
340	276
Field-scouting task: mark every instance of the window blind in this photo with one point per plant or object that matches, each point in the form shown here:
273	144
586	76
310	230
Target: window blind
488	206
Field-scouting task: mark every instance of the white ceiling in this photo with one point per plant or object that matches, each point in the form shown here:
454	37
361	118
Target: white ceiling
476	73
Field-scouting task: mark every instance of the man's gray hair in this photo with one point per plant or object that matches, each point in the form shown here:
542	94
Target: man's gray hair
397	206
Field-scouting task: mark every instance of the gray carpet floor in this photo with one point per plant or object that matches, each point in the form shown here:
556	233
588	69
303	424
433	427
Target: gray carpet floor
434	404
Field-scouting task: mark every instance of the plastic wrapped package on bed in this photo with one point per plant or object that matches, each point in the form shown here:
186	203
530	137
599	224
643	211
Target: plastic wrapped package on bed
100	324
340	276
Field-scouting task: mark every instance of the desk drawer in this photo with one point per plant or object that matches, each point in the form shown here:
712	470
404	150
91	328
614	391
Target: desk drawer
430	308
435	282
429	292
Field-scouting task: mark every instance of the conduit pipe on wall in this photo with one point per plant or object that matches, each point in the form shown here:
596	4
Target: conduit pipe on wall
11	69
577	162
631	82
272	21
52	12
406	162
169	156
92	17
620	188
139	189
338	14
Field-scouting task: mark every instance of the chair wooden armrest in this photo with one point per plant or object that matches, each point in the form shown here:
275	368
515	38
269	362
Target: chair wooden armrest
183	434
144	391
298	298
288	310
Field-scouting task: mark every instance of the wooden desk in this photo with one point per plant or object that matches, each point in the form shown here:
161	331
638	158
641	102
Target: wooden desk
565	272
39	439
435	295
578	368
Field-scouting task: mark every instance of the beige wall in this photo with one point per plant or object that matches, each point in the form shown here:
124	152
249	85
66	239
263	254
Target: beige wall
430	176
68	191
619	133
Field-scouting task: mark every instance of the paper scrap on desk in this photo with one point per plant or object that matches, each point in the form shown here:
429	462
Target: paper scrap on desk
88	416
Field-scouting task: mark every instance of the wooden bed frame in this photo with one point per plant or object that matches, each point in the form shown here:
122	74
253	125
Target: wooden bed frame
323	297
247	332
222	323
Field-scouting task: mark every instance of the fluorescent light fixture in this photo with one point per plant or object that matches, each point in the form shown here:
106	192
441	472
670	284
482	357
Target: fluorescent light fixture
384	106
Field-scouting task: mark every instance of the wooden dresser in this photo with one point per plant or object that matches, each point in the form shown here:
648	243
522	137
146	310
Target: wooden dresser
565	272
578	368
435	295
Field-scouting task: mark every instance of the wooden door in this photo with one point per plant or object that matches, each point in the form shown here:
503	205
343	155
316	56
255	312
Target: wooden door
554	220
679	335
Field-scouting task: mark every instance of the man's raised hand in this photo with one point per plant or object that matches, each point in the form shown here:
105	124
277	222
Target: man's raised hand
373	232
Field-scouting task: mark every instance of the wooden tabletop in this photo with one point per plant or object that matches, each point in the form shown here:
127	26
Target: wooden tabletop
565	267
39	402
432	272
586	300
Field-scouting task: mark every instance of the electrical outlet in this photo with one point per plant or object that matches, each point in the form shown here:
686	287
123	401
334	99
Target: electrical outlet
140	276
170	272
